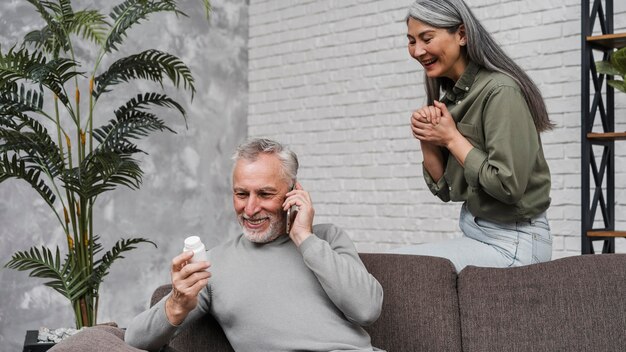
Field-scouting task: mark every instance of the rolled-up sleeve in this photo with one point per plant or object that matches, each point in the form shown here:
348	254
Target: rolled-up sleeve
439	188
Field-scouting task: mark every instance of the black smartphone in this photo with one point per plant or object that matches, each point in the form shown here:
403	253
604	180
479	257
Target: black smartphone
290	211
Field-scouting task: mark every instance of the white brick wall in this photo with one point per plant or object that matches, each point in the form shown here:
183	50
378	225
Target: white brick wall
333	79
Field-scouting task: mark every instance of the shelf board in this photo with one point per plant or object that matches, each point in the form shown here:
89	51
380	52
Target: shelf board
608	41
609	136
603	233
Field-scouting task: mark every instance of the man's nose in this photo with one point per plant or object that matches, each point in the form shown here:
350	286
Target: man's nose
252	205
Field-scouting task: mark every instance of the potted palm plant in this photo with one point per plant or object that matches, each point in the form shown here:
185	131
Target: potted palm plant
616	66
49	137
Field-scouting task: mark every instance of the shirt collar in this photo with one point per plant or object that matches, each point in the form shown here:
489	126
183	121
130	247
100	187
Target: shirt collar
464	84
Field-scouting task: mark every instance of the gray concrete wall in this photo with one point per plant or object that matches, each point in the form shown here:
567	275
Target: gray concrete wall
186	188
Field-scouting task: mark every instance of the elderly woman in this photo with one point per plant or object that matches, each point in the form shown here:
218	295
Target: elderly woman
479	140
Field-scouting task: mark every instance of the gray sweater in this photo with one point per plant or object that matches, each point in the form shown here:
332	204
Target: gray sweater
277	297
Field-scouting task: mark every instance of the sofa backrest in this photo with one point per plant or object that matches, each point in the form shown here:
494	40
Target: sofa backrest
420	308
570	304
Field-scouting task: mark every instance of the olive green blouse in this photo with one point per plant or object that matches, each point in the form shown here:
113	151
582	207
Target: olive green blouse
506	177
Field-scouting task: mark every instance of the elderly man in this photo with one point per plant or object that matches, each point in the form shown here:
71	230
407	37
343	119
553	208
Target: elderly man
305	290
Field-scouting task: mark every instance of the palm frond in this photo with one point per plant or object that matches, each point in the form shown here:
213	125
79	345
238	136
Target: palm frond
101	172
115	169
63	10
14	167
53	37
41	39
65	277
23	65
150	64
102	265
54	74
18	64
96	246
84	183
131	12
39	5
133	125
143	101
19	99
90	25
207	8
27	137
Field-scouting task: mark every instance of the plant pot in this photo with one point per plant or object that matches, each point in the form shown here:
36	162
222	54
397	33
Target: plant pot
32	345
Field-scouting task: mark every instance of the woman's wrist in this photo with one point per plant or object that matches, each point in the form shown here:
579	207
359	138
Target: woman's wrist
459	146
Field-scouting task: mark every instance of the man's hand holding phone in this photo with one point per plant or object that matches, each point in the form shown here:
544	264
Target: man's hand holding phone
302	221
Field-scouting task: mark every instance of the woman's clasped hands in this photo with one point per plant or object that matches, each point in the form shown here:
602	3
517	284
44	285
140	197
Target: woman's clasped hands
434	124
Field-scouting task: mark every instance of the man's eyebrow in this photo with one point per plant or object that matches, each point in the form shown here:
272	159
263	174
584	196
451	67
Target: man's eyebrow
262	189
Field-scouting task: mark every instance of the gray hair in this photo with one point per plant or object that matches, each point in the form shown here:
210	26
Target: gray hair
252	148
482	49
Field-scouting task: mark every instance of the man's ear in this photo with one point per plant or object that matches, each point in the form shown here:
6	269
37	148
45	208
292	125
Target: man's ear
461	33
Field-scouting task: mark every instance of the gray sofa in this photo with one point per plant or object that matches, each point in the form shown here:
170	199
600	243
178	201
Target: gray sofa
570	304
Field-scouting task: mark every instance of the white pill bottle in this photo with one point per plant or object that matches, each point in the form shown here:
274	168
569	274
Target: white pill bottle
193	243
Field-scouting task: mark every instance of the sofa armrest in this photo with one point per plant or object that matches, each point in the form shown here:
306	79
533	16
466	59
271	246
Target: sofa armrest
159	293
204	334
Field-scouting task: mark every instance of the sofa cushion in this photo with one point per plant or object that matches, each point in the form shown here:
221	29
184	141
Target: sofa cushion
420	306
569	304
95	339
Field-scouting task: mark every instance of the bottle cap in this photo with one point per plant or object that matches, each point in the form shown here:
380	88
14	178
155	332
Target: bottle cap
192	242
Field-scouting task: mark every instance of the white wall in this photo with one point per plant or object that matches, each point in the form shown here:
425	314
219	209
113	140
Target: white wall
334	80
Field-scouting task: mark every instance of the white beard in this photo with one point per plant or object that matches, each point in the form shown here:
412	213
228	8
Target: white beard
273	231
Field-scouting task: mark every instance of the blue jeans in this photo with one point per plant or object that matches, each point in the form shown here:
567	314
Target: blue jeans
491	244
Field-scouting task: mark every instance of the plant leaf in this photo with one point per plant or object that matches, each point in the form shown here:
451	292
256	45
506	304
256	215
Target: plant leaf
619	85
130	13
25	136
66	278
52	38
90	25
207	8
618	60
606	68
134	125
143	101
23	65
54	74
102	265
150	64
101	172
19	99
15	167
16	65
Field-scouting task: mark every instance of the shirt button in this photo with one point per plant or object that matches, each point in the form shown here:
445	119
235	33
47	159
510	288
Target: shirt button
458	102
466	89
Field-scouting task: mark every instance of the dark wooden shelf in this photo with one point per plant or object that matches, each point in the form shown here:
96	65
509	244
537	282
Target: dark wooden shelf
603	233
609	136
608	41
